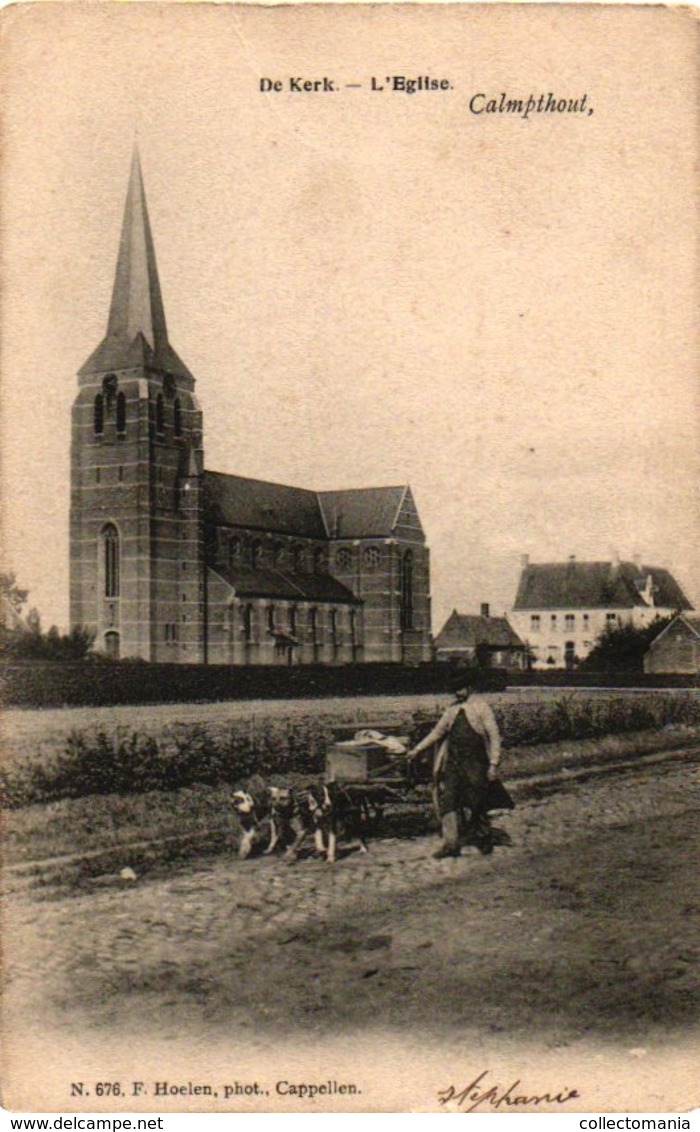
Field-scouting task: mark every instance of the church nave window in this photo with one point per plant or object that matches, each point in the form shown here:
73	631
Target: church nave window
234	551
160	414
256	554
372	557
320	561
177	418
98	420
343	558
298	559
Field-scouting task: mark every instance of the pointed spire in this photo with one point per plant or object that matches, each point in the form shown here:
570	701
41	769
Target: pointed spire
136	330
137	303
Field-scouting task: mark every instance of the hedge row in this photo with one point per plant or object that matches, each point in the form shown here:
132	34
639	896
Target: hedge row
101	683
101	762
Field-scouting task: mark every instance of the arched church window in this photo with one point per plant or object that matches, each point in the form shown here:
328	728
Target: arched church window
320	562
407	590
298	559
372	556
99	415
121	413
177	417
256	554
160	413
110	544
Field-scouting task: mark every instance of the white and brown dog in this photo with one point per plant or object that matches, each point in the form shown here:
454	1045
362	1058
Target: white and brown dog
254	817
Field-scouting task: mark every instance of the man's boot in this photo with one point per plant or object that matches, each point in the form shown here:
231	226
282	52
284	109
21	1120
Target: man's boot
450	837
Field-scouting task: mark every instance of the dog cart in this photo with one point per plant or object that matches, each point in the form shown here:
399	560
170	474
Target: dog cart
369	762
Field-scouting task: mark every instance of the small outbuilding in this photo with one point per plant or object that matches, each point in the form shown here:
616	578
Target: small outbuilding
489	641
677	647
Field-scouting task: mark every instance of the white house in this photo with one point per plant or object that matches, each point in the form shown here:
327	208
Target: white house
561	608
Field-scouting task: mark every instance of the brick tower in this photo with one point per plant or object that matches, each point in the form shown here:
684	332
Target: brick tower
136	529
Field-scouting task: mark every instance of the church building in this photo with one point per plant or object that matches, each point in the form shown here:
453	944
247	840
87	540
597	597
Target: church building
172	563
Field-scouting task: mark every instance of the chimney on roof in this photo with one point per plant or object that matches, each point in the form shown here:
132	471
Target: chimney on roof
615	560
638	561
485	612
524	561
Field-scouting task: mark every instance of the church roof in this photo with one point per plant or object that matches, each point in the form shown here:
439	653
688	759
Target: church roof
236	501
596	585
136	330
273	583
366	512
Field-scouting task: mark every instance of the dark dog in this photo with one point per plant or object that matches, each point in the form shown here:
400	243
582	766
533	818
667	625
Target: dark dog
330	811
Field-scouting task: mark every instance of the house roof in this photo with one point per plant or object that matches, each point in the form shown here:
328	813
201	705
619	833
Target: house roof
466	630
693	624
596	585
369	512
271	583
136	330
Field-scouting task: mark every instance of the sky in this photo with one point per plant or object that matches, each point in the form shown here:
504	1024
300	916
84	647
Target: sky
372	287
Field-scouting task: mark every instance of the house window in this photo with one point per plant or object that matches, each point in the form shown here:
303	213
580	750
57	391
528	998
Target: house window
343	558
372	557
98	419
534	622
177	417
406	611
160	414
121	414
569	622
110	542
611	620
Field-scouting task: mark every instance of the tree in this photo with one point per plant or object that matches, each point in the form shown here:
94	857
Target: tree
12	597
622	648
21	637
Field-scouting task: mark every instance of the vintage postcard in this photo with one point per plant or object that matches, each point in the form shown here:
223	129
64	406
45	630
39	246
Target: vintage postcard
350	465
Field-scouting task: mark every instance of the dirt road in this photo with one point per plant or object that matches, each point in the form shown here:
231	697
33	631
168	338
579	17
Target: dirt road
584	932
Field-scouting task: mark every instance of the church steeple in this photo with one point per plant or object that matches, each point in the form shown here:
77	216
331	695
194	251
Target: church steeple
136	331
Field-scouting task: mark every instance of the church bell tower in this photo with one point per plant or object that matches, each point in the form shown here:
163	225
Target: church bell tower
136	538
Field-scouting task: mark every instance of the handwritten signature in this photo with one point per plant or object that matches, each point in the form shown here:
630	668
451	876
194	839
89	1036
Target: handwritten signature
479	1092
